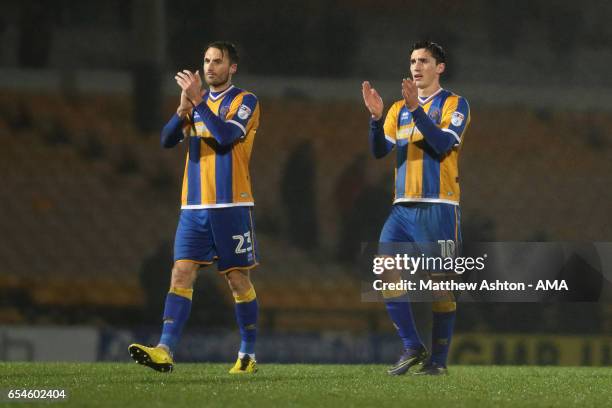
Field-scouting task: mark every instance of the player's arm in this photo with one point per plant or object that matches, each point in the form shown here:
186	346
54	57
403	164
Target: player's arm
380	145
225	133
238	117
441	140
172	132
243	112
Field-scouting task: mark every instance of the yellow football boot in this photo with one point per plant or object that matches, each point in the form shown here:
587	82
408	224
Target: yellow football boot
244	365
158	358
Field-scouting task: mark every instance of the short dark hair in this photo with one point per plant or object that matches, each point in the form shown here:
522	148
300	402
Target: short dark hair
225	46
435	49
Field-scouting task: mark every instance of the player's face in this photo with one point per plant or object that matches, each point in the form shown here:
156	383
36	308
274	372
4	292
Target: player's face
425	72
218	70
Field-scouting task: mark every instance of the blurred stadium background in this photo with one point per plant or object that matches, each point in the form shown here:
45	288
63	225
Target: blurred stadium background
89	200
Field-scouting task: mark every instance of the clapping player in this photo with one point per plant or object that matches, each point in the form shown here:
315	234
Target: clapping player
426	128
216	220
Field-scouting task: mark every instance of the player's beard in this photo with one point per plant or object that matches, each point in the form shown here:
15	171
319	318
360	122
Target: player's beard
219	81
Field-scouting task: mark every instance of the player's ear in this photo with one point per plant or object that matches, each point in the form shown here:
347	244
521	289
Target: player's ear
233	68
440	68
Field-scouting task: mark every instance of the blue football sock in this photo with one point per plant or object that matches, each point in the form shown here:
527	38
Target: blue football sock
400	311
441	334
246	316
176	313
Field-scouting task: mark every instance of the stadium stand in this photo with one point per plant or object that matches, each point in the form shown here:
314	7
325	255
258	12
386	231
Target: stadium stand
86	197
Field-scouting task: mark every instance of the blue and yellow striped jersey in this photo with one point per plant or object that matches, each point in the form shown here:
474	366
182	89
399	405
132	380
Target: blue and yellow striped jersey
217	176
420	174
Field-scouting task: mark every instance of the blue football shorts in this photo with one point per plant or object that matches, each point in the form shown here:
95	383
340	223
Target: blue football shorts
225	235
420	227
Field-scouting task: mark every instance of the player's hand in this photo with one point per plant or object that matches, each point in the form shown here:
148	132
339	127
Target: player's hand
410	93
191	84
372	100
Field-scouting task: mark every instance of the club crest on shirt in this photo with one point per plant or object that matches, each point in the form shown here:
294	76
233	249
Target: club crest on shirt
435	115
243	112
223	112
457	118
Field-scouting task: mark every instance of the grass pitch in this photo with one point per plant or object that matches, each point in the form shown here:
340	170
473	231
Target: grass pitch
209	385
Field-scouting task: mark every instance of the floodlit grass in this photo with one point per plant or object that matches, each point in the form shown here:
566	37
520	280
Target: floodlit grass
209	385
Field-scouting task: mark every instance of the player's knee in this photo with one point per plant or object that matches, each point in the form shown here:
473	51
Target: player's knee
444	307
239	282
443	296
391	276
184	274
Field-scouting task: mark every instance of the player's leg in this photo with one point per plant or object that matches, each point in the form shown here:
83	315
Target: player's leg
397	303
176	312
440	222
235	242
444	313
178	303
193	247
246	309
